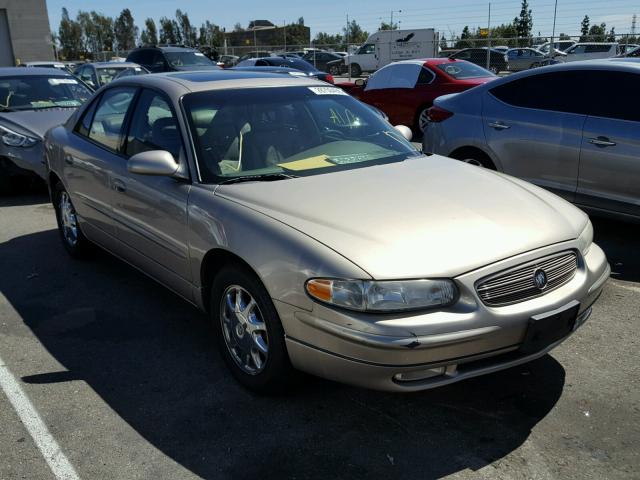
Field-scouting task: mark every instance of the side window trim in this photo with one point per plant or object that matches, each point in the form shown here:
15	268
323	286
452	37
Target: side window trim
87	111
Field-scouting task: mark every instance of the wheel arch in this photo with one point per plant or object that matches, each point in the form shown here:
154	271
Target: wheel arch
460	153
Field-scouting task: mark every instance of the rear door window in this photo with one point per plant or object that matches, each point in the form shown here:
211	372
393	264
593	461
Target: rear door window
558	91
108	121
616	102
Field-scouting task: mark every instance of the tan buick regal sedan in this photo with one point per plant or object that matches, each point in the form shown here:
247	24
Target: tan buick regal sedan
315	237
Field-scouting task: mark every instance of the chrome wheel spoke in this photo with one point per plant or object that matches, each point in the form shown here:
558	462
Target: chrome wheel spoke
244	330
68	219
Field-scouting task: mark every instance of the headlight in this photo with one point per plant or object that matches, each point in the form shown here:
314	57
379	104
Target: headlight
383	296
15	139
586	238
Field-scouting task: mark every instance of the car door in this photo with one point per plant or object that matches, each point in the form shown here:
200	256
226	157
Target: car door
366	57
610	156
91	154
392	90
151	211
533	127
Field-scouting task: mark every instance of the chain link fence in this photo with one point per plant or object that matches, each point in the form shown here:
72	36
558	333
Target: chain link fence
503	55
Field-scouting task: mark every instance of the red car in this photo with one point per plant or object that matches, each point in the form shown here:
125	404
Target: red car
405	90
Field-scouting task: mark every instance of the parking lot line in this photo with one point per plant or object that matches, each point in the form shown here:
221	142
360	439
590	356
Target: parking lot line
57	461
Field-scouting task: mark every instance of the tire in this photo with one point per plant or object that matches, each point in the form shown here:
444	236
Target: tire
535	65
7	186
334	70
73	240
252	344
494	69
474	157
355	71
421	120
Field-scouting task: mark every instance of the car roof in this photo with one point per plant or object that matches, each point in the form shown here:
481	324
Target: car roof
166	48
179	83
32	72
111	64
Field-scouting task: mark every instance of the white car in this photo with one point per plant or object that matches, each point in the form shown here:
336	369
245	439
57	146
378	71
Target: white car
590	51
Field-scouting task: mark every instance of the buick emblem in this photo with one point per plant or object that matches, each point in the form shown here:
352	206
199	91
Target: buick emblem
540	279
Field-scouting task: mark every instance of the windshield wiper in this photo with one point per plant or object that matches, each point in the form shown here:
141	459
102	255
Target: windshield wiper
267	177
6	109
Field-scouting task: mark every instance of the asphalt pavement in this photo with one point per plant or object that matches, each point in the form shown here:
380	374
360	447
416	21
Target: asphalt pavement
127	380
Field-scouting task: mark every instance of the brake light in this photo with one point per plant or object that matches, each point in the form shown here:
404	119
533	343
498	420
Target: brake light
329	78
437	114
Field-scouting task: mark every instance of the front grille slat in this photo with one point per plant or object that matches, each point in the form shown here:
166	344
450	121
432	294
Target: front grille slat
518	284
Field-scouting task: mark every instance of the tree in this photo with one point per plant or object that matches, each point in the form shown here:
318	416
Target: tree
301	21
323	38
463	41
354	34
70	37
210	35
584	28
597	33
443	42
168	31
186	31
149	35
611	37
388	26
104	32
125	30
524	23
238	28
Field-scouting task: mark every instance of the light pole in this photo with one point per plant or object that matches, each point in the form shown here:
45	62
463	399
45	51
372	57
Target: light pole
553	32
391	24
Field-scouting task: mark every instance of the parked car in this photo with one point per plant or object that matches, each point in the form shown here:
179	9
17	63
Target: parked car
625	48
167	59
526	58
497	60
228	61
297	219
99	74
32	100
132	71
320	60
293	63
501	48
57	65
631	53
405	90
590	51
558	46
536	125
255	54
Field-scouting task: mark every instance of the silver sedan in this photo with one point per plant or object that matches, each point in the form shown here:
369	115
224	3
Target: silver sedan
315	237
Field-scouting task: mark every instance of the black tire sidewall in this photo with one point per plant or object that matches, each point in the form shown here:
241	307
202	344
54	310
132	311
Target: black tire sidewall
278	373
355	70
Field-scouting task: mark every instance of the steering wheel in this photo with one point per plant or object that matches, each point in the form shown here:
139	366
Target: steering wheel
335	134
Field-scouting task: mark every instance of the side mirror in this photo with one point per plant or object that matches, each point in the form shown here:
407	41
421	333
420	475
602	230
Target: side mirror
404	131
359	82
153	162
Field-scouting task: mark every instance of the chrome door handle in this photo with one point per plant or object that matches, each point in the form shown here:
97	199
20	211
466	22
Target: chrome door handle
499	126
602	142
119	186
68	159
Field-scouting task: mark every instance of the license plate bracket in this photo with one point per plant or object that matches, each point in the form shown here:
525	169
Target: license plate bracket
549	327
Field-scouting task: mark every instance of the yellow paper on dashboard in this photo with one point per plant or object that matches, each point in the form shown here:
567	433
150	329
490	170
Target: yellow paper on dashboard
320	161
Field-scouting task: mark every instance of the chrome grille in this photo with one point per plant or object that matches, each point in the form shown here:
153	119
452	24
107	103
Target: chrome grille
518	284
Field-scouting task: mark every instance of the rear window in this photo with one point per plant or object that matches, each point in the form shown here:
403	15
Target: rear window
463	70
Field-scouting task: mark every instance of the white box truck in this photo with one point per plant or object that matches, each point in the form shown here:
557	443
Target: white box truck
386	46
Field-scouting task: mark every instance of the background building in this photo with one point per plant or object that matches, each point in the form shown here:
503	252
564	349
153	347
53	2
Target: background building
25	35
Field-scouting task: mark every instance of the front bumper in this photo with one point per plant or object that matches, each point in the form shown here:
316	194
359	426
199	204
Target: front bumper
419	351
18	161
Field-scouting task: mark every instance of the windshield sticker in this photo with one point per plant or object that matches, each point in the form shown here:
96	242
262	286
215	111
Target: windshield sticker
328	91
62	81
198	54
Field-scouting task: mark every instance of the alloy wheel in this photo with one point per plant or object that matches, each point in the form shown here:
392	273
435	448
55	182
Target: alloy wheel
68	219
244	330
423	119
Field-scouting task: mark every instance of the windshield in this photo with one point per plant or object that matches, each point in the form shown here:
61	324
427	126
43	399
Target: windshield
187	59
292	130
464	70
106	75
32	92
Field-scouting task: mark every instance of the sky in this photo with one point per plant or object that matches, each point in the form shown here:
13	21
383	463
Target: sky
329	16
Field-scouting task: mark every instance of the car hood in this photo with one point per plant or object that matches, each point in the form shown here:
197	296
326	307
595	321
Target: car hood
36	121
424	217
